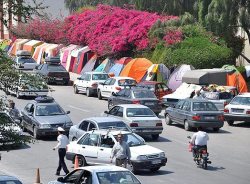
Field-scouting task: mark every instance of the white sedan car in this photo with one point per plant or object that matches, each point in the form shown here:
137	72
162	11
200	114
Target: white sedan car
103	174
139	117
94	147
238	109
114	85
25	63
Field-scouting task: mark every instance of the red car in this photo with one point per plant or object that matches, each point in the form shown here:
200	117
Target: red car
160	89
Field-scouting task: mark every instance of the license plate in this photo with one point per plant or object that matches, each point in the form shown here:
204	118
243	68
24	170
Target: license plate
156	161
149	103
238	110
209	117
59	78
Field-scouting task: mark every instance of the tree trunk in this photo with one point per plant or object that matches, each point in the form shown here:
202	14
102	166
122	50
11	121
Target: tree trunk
1	21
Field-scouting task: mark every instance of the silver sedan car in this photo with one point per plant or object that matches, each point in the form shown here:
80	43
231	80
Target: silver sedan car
92	123
140	118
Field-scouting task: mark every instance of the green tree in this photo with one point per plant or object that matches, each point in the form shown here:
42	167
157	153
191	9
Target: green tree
244	16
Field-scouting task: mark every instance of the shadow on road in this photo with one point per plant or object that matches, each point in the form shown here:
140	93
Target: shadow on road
212	168
160	139
157	173
14	147
242	124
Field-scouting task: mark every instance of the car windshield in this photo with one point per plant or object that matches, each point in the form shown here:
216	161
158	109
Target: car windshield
118	125
144	94
240	101
56	68
26	59
123	82
49	110
10	182
103	76
140	112
131	140
117	177
204	106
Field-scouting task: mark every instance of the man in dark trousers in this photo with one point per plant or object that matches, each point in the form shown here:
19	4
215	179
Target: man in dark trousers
63	141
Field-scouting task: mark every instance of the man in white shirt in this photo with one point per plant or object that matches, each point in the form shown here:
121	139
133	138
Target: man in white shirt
63	141
199	140
121	152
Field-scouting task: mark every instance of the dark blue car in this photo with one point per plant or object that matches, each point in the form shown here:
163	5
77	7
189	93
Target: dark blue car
195	113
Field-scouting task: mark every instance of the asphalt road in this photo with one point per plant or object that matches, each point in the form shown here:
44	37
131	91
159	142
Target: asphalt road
229	150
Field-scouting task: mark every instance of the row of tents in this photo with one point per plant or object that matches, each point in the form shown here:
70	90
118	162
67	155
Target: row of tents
78	59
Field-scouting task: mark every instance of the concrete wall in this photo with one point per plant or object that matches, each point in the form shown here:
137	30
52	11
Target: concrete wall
246	51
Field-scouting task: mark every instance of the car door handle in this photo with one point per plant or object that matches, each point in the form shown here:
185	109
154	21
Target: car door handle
101	149
83	147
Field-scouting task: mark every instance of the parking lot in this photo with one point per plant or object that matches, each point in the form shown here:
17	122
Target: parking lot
229	149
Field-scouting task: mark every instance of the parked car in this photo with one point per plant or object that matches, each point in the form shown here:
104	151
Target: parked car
195	113
95	147
114	85
159	88
88	82
43	116
28	86
53	71
96	123
24	61
140	118
136	95
7	179
238	109
102	174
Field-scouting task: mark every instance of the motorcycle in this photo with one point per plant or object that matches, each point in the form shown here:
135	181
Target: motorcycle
200	155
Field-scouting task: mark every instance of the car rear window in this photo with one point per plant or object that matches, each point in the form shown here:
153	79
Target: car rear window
56	68
49	110
26	59
118	124
100	76
144	94
240	101
140	112
204	106
123	82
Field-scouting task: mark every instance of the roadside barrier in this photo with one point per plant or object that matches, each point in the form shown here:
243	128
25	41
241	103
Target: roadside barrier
37	177
76	165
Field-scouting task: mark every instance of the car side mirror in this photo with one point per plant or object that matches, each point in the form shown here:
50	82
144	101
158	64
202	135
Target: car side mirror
60	179
114	94
106	112
101	83
79	78
67	112
30	113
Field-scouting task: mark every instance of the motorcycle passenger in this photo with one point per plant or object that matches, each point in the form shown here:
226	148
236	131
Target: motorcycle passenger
13	111
199	140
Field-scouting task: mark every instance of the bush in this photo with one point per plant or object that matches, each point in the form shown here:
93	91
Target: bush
199	52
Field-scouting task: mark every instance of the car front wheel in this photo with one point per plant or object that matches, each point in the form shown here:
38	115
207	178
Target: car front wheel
168	119
230	122
155	169
99	94
88	92
35	135
186	126
110	105
81	160
76	91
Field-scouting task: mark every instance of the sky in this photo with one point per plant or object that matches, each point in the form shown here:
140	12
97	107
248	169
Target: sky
56	8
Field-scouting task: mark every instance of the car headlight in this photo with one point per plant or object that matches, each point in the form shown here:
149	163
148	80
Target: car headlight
142	157
68	124
162	154
45	126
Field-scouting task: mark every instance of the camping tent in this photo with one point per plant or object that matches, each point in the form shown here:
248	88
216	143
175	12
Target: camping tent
136	68
119	65
206	76
53	50
79	59
175	78
65	53
91	64
31	45
71	58
235	78
4	43
39	52
105	66
17	45
157	72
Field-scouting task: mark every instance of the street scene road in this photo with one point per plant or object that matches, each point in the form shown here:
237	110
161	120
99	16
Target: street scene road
228	149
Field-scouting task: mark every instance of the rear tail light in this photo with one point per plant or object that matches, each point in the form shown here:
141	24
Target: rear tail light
94	85
159	124
248	112
226	111
133	125
50	74
136	102
118	88
221	118
196	118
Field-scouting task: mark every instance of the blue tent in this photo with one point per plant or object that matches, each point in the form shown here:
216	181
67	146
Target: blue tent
119	65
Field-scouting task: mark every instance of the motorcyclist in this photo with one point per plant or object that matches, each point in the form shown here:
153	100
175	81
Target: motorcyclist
13	111
199	140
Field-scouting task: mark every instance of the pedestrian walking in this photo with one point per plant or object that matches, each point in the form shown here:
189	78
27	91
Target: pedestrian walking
63	141
121	152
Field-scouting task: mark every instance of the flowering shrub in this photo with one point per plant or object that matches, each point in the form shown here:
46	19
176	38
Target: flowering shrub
110	30
173	37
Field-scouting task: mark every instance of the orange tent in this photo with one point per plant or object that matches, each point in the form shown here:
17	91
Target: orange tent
237	80
16	46
136	68
31	45
39	51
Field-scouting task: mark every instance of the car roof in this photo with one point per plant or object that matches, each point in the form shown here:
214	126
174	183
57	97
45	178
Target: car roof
151	82
123	78
132	106
103	168
103	119
195	100
244	95
112	131
7	177
96	72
